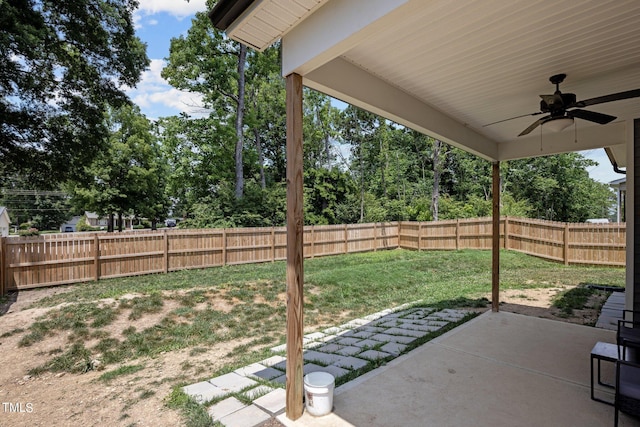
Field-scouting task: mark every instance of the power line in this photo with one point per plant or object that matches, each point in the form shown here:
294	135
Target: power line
24	192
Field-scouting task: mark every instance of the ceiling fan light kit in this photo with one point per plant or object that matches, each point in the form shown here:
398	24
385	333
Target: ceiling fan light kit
559	124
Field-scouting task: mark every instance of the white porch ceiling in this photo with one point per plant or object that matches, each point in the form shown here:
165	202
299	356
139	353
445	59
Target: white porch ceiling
447	68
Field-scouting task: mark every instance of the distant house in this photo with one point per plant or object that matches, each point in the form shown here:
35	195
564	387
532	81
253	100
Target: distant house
71	225
5	222
620	185
95	221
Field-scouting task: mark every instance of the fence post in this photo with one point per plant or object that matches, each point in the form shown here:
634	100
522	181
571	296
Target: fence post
224	246
273	244
313	241
506	232
419	236
457	234
375	236
346	240
165	239
96	256
566	244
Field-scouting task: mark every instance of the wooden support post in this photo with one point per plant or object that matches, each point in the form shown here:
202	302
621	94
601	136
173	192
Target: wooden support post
419	236
2	265
295	246
457	234
565	253
96	256
495	267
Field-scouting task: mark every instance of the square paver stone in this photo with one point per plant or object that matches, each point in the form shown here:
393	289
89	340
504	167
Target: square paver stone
232	382
272	360
273	402
329	348
323	358
336	371
348	341
248	417
393	338
258	370
349	350
406	332
393	348
256	392
308	368
351	363
373	354
360	334
225	407
366	343
203	391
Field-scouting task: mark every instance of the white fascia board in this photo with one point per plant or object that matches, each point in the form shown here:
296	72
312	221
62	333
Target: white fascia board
598	136
343	80
333	29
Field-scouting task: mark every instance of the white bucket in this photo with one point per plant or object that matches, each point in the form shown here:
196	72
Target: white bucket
318	388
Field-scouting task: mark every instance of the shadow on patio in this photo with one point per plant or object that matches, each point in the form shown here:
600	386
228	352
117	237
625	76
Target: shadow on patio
500	369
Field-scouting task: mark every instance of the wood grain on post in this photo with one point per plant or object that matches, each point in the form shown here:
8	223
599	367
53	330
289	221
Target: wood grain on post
295	242
495	268
565	255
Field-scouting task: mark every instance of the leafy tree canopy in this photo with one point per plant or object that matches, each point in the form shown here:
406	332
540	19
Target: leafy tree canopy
61	63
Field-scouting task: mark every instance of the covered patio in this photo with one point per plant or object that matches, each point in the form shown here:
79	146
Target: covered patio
469	73
499	369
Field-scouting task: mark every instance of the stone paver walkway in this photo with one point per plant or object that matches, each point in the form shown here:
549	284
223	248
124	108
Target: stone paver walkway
339	350
611	312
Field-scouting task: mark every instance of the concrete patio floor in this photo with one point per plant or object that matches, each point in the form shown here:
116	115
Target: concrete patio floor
500	369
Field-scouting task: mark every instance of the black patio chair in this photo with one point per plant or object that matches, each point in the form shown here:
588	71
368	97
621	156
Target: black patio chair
627	389
628	334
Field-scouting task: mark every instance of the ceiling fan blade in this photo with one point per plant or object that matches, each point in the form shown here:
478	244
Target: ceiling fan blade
512	118
592	116
533	126
635	93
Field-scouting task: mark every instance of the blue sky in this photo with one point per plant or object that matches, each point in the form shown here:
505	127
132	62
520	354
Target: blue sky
157	21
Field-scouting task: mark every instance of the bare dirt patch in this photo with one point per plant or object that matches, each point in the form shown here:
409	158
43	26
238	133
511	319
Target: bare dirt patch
538	302
70	399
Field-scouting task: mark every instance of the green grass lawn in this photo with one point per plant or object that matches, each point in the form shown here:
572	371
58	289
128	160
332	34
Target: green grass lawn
337	289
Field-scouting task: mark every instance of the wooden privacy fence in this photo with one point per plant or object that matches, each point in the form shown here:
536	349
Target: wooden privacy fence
31	262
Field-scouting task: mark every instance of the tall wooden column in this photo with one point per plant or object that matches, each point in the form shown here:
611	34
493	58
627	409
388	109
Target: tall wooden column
295	258
495	264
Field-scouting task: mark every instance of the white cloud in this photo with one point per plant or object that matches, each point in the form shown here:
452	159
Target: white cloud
156	98
178	8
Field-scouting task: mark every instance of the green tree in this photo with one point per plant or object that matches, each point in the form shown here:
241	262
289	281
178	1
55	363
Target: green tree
207	62
558	188
61	63
129	177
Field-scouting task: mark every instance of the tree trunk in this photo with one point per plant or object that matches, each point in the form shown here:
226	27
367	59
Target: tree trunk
263	181
437	170
110	227
120	222
242	58
154	224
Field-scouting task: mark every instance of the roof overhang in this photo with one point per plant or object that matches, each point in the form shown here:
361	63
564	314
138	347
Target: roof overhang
447	69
